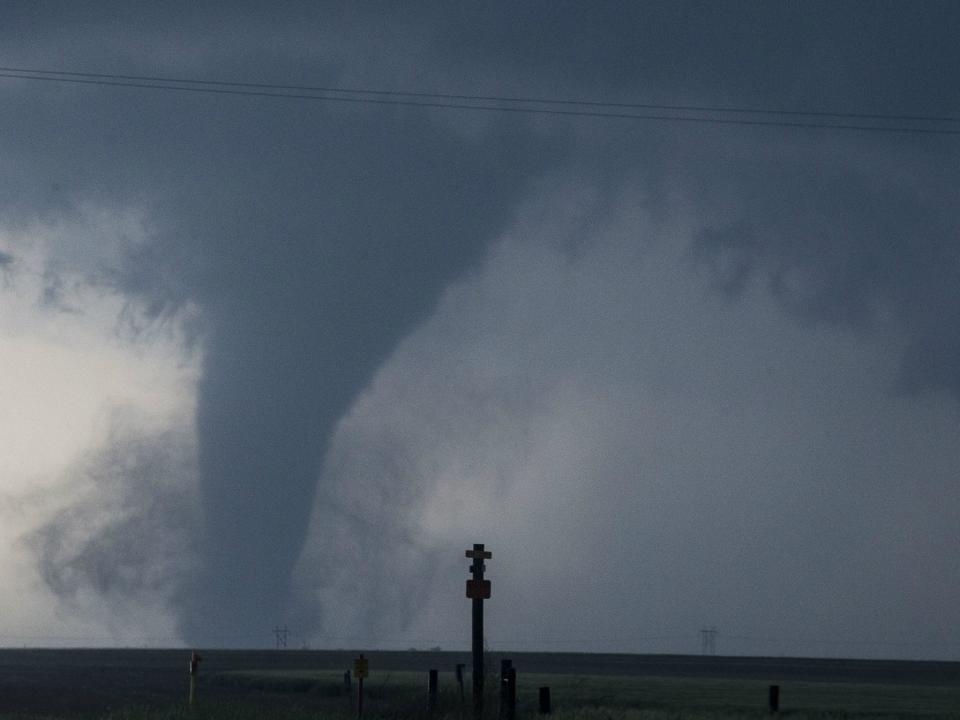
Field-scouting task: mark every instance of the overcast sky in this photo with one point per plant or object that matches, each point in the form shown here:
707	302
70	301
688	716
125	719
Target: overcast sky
279	360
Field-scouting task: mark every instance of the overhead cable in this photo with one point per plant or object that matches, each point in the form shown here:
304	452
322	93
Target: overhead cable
481	103
490	98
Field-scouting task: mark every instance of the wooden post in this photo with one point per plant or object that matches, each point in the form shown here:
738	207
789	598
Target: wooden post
432	692
478	590
361	668
544	701
505	666
774	698
347	683
511	696
194	667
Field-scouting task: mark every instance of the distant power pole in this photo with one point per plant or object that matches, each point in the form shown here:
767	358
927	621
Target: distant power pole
708	640
281	634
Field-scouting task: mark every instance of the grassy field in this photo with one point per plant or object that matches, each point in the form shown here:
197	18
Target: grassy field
152	685
623	696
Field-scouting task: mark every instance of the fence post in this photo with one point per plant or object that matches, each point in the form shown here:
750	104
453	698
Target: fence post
505	666
432	692
511	694
774	698
544	701
194	668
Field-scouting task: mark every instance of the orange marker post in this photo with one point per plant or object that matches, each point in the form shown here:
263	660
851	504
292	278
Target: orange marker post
361	668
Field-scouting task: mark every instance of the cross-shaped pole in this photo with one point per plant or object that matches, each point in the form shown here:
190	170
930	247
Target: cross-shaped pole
478	590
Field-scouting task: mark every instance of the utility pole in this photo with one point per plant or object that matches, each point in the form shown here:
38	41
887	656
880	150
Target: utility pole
281	634
478	590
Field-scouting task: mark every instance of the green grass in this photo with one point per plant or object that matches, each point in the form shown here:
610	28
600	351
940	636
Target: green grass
319	695
632	698
748	696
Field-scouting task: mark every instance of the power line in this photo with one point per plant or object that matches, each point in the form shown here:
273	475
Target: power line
282	633
492	98
835	641
211	87
708	641
707	636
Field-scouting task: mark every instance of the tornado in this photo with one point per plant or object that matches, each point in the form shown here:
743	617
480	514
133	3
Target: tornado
306	274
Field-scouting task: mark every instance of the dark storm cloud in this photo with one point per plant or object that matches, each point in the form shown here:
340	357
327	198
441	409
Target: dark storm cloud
838	245
726	252
839	228
311	238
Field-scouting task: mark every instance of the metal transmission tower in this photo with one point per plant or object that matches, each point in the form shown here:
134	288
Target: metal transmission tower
281	634
708	640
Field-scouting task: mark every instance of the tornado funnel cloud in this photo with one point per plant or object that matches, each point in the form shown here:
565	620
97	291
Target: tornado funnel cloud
313	287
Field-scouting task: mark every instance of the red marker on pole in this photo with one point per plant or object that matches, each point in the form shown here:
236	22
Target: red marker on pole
478	590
